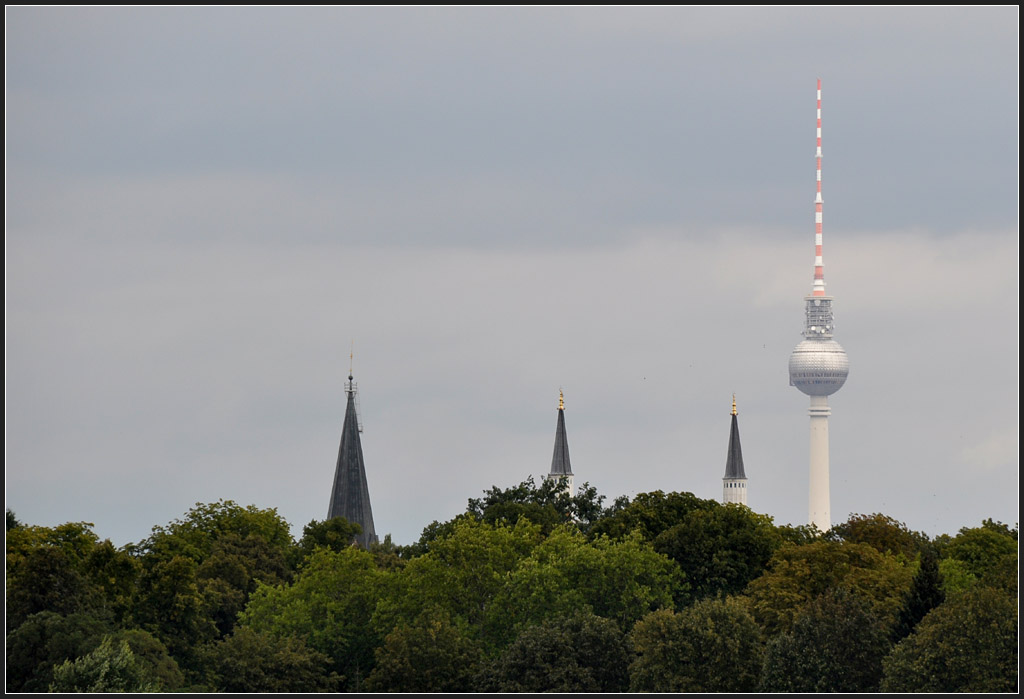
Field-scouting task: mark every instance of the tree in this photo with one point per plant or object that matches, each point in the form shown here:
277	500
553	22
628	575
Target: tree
459	575
966	644
335	534
47	639
712	646
799	574
169	605
47	581
249	661
720	548
194	535
548	504
431	655
924	595
836	645
650	514
617	580
329	605
578	652
981	549
109	668
881	532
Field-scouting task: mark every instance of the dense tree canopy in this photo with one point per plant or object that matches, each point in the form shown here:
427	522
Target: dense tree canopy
966	644
836	645
528	590
711	646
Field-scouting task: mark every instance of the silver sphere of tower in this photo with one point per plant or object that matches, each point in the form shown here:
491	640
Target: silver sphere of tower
818	367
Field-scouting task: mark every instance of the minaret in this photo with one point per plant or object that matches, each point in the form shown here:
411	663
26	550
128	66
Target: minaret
560	466
734	485
350	498
818	366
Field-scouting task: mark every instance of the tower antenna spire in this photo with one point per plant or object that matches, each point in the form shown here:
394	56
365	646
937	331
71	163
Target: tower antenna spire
819	265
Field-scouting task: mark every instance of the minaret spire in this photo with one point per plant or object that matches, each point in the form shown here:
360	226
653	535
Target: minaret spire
560	465
734	485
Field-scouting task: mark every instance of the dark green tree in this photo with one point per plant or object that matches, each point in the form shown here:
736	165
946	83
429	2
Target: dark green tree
712	646
881	532
249	661
47	639
579	652
966	644
47	581
547	504
836	645
924	595
618	580
798	574
334	534
169	604
431	655
720	548
650	514
329	605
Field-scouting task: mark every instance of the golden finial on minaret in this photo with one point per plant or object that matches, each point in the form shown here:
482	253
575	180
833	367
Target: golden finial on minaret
351	352
733	403
561	400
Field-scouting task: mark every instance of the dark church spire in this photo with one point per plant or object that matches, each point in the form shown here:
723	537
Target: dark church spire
350	498
734	485
560	466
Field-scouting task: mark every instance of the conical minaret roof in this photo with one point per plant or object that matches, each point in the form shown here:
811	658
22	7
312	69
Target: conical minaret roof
350	497
734	460
560	465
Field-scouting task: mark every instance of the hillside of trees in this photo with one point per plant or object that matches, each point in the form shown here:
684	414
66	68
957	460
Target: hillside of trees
528	590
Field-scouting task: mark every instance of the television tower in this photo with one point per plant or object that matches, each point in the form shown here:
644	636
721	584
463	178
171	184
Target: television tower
818	366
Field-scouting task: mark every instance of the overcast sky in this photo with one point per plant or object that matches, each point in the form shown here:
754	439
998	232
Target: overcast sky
205	208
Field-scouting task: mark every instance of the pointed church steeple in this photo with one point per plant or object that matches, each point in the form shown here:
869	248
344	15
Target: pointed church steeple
350	497
734	485
560	466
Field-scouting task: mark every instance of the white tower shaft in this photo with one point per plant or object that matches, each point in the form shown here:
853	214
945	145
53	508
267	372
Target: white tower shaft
818	504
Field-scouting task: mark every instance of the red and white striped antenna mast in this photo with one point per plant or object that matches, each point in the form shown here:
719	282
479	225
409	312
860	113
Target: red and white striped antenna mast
819	266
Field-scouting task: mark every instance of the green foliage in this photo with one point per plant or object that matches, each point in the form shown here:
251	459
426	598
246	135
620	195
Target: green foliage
47	581
460	574
329	605
47	639
152	657
720	548
578	652
233	570
712	646
432	655
109	668
548	504
169	605
12	521
982	549
924	595
883	533
249	661
194	535
966	644
836	645
335	534
617	580
650	514
798	574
